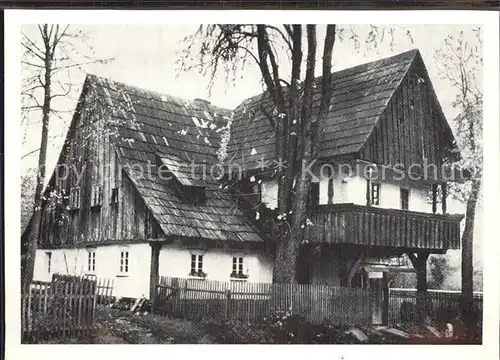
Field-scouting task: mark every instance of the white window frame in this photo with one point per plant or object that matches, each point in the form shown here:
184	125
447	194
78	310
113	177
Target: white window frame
401	198
91	261
197	259
74	198
62	186
48	257
113	199
96	200
238	269
379	190
124	262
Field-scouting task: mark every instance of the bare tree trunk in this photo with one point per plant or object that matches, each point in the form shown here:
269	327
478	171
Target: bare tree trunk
286	264
287	255
467	258
34	234
419	262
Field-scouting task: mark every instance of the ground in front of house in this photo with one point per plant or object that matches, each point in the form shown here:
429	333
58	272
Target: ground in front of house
124	327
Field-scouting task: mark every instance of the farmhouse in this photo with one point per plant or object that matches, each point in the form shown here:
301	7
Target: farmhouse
136	196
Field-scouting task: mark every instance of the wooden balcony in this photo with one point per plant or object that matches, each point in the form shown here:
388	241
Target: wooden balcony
388	228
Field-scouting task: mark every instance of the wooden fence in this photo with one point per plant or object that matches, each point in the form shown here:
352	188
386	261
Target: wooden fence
103	287
442	306
254	302
64	306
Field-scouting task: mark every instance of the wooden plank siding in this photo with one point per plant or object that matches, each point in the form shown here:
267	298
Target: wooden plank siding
94	157
411	127
389	228
360	96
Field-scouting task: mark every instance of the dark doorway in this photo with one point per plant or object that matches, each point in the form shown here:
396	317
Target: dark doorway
304	271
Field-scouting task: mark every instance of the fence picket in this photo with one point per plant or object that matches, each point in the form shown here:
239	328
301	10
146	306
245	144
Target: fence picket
443	305
64	306
80	293
109	288
252	302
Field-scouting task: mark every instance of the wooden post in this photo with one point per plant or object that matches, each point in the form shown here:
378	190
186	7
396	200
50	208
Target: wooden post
29	312
385	307
154	275
93	284
419	262
353	269
228	307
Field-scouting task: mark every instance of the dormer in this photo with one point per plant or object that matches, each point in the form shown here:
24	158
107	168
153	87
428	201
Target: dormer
179	175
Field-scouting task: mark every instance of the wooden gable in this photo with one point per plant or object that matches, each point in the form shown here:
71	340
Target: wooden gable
93	176
132	203
412	127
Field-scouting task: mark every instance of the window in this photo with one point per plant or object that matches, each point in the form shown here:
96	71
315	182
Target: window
48	256
61	186
375	194
62	175
194	194
405	198
124	262
114	196
91	262
75	198
197	265
330	191
439	195
238	268
314	195
96	195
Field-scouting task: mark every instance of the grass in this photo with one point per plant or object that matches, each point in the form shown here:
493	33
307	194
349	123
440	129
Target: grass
124	327
151	328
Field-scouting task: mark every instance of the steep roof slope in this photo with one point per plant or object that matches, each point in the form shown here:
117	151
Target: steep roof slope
148	125
360	95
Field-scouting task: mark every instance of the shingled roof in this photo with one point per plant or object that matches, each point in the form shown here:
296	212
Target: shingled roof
360	95
154	126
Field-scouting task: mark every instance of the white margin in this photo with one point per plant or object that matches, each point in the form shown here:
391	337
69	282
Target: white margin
489	349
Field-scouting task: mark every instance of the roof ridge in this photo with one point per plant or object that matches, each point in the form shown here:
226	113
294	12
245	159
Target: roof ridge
413	51
94	77
392	57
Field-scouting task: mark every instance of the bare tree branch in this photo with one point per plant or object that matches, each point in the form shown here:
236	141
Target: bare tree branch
97	61
31	64
32	51
286	38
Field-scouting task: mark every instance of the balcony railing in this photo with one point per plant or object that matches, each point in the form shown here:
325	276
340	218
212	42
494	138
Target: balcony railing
373	226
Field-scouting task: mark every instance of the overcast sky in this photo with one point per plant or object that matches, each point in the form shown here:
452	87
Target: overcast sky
145	56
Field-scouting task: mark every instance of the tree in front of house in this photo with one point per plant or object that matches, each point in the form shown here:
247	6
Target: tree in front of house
460	62
287	57
28	182
296	130
50	52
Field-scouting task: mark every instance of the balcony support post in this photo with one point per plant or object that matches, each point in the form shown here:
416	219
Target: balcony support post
419	262
354	268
